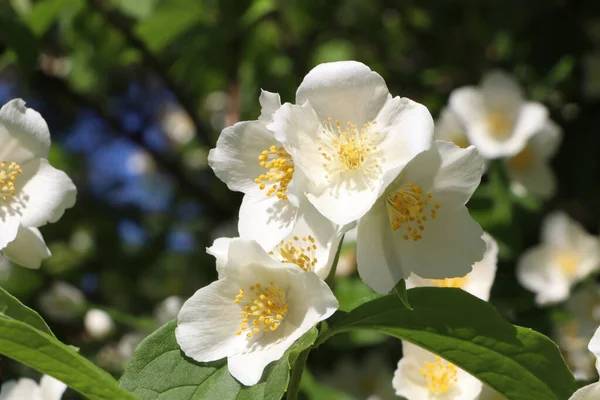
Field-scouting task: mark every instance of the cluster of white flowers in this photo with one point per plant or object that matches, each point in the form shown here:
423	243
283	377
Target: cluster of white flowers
496	118
27	389
346	154
32	192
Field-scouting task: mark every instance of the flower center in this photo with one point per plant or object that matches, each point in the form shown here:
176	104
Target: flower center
279	171
297	251
347	149
263	308
450	282
409	208
8	176
499	125
567	262
440	375
523	160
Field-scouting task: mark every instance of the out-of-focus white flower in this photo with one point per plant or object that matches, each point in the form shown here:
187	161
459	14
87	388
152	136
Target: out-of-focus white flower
62	302
497	118
478	282
250	160
369	379
168	309
423	375
311	245
591	392
421	224
566	255
349	137
449	129
32	192
140	162
98	324
28	389
177	124
254	313
529	171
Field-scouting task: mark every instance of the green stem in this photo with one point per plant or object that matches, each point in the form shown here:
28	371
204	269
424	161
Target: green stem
296	376
331	276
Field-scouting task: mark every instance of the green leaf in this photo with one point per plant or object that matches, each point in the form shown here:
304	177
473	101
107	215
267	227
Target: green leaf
517	362
159	369
44	353
12	308
45	13
400	291
315	390
18	37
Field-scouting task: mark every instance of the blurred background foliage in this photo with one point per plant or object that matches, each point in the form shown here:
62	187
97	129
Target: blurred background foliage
136	92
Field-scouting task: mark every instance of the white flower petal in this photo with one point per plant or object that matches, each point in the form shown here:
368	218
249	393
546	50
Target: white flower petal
378	264
589	392
24	388
536	179
534	272
235	159
459	174
345	91
451	243
219	250
208	321
501	92
269	103
594	347
481	279
52	389
23	133
548	140
531	120
267	219
468	105
43	193
243	252
449	128
406	128
28	249
6	388
9	226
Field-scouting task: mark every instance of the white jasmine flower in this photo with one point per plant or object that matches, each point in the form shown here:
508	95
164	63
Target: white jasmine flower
566	256
421	224
168	309
529	171
250	160
25	388
32	192
449	128
254	313
311	245
98	324
422	375
591	392
498	119
478	282
62	302
349	137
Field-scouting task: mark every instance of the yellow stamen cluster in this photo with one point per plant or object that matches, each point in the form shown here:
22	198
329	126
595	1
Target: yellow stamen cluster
263	308
349	147
568	262
450	282
499	125
440	375
8	176
409	208
523	160
297	251
280	169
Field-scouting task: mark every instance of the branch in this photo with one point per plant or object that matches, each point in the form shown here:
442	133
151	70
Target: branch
215	210
122	25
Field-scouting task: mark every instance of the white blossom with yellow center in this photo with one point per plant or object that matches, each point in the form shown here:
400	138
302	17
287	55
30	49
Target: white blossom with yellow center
420	224
25	388
497	118
256	310
422	375
250	160
592	391
349	137
529	170
311	245
567	255
32	192
449	128
478	282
